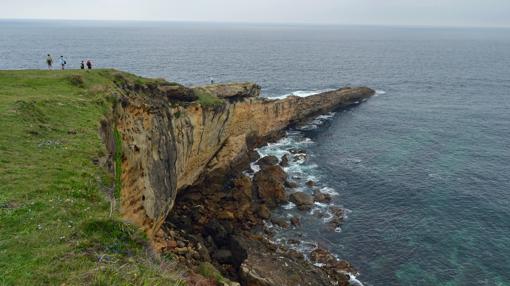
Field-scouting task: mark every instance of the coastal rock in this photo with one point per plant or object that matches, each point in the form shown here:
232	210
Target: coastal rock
267	161
269	186
320	197
302	200
281	222
233	90
171	141
285	160
264	212
291	184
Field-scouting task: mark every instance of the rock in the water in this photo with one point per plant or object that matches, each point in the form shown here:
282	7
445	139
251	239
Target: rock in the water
310	183
264	212
320	197
297	151
285	160
302	200
267	161
295	221
253	155
281	222
291	184
269	186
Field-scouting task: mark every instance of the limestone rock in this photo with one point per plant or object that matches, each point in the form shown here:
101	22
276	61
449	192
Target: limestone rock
269	186
302	200
233	90
267	161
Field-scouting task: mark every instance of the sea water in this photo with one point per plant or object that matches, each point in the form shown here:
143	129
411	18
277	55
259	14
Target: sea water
422	169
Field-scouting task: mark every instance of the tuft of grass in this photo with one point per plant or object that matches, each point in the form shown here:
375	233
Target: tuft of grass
207	99
55	225
208	270
76	80
117	157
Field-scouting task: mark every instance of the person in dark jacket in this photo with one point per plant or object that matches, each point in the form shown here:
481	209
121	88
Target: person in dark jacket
82	65
89	64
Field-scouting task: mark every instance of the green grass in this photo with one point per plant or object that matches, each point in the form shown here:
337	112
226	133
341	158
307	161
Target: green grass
206	99
54	214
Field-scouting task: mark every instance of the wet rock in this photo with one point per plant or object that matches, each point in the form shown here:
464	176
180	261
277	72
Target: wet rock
291	184
285	160
264	212
295	221
281	222
267	161
299	157
302	200
297	151
323	256
310	184
269	186
320	197
337	219
253	155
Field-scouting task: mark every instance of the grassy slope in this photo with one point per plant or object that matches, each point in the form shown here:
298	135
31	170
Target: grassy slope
54	217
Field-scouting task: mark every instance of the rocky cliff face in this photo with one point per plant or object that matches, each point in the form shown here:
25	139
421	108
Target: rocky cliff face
171	139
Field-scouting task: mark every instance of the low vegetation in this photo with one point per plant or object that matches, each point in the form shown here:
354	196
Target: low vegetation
55	222
207	99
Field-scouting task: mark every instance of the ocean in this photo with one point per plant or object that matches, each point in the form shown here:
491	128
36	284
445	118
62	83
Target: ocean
421	170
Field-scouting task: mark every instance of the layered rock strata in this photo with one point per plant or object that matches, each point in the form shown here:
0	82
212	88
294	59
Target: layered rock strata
172	138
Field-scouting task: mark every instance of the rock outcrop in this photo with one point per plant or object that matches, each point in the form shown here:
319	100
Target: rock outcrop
170	144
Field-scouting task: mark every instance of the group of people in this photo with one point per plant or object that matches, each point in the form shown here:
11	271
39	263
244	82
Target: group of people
63	63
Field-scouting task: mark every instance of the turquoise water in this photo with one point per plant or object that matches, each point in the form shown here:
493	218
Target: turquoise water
423	168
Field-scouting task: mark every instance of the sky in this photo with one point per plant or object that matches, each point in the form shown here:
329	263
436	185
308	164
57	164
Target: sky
473	13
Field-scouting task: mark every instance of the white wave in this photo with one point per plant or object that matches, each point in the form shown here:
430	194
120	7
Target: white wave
379	92
289	206
353	281
301	93
329	191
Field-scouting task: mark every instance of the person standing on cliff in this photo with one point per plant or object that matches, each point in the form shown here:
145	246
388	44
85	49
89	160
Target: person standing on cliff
82	65
63	62
89	64
212	80
49	61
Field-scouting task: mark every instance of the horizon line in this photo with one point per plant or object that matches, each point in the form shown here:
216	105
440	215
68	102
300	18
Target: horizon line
258	23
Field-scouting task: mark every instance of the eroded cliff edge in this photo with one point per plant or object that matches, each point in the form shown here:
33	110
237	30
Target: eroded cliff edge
173	136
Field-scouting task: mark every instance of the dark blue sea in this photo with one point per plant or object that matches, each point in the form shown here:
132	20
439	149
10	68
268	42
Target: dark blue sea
422	170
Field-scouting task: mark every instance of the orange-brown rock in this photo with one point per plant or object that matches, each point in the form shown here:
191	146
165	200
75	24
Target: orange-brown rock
169	144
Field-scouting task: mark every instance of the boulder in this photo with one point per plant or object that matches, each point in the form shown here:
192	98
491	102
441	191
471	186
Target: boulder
223	256
291	184
285	160
267	161
320	197
264	212
295	221
302	200
253	155
269	186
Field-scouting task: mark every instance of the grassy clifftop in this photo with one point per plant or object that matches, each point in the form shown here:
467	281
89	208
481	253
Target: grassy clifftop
55	224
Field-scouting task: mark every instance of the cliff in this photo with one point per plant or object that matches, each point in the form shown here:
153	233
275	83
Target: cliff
174	136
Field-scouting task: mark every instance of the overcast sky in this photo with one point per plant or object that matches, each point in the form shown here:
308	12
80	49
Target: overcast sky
366	12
